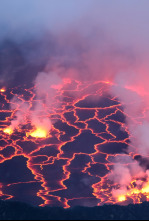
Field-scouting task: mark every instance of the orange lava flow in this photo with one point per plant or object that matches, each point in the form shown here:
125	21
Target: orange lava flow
38	133
68	167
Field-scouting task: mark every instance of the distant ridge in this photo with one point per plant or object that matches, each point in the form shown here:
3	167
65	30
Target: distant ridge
21	211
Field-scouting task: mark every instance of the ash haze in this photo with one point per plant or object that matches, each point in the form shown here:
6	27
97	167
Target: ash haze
57	28
84	39
122	23
126	21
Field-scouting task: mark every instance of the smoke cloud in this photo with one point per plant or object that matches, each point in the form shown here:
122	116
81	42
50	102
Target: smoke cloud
93	32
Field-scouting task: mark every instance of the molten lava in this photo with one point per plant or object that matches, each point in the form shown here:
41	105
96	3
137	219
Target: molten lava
135	193
121	198
38	133
8	130
2	90
70	166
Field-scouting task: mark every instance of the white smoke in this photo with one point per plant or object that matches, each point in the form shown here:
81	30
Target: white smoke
47	85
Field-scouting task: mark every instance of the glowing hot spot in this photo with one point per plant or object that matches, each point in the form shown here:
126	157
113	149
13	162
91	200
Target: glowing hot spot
39	133
135	193
2	90
145	189
122	198
8	131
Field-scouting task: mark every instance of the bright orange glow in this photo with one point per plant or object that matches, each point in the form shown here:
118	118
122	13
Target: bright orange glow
145	189
121	198
2	90
38	133
135	193
8	131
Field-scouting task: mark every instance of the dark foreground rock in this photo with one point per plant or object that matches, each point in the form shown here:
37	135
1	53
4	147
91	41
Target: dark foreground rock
22	211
